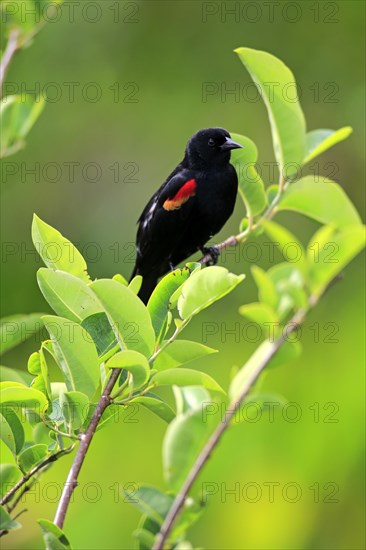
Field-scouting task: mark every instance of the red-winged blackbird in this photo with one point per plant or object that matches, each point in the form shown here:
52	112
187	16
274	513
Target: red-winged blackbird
190	207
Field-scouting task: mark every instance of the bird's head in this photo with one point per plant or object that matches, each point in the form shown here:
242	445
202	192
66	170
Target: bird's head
210	147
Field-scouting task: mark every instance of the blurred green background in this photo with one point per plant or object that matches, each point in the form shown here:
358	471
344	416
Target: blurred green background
162	55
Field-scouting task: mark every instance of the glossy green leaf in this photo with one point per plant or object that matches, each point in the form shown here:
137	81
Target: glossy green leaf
22	396
323	200
37	365
290	287
277	87
135	284
9	475
15	329
101	332
128	317
251	186
75	353
156	405
204	288
16	427
184	439
318	141
289	246
15	375
329	251
6	434
31	456
159	302
180	352
134	362
75	408
18	114
54	538
56	251
6	523
120	279
186	377
69	296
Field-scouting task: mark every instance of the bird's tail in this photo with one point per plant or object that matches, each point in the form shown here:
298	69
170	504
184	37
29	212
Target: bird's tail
149	282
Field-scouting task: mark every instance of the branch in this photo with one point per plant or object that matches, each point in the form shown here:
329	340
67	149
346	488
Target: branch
213	441
86	438
6	498
11	48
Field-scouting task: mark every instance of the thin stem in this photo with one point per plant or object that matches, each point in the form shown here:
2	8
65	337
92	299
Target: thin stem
71	482
9	495
207	450
10	50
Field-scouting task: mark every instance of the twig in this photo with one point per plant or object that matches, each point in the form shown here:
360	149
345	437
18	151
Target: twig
9	495
10	50
179	501
86	438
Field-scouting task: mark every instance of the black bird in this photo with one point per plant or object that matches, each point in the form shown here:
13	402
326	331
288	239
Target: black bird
191	206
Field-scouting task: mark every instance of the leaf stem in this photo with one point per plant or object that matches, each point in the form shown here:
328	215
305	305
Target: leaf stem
86	438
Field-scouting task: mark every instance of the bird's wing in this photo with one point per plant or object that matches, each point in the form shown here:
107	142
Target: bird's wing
177	194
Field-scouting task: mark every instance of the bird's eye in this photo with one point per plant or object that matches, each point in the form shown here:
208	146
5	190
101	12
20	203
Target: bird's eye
211	142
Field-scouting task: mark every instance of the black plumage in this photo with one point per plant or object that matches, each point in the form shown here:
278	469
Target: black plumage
189	208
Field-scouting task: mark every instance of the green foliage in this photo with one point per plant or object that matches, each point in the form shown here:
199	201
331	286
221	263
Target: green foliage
102	328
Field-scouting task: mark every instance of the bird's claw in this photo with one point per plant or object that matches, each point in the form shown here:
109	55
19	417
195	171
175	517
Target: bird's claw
212	251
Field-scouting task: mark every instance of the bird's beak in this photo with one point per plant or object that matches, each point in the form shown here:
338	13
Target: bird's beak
230	144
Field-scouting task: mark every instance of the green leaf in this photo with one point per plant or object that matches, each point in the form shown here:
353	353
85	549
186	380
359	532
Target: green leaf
135	284
204	288
15	329
180	352
16	427
18	395
267	292
135	363
329	251
156	405
184	439
251	186
31	456
37	365
289	246
69	296
9	475
318	141
185	377
75	408
15	375
290	287
120	279
54	538
6	523
76	355
190	398
101	332
323	200
262	314
128	317
56	251
6	434
18	113
277	87
159	302
151	501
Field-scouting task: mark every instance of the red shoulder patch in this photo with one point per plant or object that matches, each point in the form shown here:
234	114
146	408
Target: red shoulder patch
187	191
